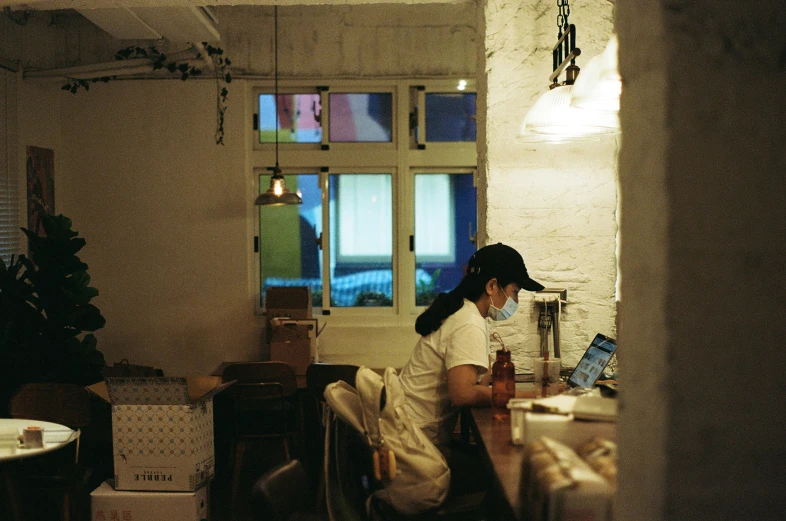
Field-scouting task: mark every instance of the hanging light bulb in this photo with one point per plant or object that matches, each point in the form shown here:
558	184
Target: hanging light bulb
553	118
600	85
277	194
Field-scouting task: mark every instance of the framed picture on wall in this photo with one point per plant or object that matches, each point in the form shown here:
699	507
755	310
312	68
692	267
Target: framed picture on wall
40	187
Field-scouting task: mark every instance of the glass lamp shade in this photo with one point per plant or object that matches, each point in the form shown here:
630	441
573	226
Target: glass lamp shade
599	85
277	194
552	119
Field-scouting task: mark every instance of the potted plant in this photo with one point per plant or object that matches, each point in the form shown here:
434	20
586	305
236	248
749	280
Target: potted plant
427	291
373	299
45	311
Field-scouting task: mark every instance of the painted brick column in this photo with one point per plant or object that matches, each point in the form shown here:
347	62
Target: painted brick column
702	260
554	204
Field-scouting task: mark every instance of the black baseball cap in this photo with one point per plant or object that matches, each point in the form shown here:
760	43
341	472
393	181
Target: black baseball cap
500	260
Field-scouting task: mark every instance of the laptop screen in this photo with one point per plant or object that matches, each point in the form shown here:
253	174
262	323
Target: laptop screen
594	361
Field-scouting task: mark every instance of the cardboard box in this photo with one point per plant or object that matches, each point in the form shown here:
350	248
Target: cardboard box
108	504
296	342
162	431
286	302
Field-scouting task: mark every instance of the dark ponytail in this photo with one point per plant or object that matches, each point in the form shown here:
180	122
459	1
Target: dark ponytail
443	306
471	288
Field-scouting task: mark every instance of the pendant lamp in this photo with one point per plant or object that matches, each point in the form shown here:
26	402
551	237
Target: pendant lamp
553	118
277	194
600	85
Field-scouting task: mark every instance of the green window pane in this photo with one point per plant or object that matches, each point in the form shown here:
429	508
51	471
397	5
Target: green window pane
288	253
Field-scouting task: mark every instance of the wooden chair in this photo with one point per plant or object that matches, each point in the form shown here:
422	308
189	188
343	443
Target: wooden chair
58	477
265	408
319	376
349	470
278	495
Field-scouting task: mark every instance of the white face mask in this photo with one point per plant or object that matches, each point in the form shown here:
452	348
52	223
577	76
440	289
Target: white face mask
506	312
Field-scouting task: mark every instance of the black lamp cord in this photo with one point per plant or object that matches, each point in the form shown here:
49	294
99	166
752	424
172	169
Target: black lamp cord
275	66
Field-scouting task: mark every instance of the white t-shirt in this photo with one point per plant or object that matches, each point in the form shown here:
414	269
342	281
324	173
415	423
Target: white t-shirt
462	339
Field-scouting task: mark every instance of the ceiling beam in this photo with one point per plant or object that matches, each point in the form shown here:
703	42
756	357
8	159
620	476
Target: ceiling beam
49	5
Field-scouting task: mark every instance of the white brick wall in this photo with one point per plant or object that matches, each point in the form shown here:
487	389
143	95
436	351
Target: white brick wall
555	204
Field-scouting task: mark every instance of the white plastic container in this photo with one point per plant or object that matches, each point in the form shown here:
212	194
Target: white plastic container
518	408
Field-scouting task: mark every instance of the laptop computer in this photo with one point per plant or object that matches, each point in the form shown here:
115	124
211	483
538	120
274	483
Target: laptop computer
594	361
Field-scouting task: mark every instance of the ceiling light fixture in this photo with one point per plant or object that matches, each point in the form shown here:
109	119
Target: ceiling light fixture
553	118
277	194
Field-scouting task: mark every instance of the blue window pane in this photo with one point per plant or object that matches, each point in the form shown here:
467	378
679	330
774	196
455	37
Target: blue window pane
296	117
450	117
361	237
288	253
361	117
445	216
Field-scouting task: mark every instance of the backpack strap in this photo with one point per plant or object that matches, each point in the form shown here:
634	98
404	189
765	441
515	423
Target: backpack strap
344	401
370	388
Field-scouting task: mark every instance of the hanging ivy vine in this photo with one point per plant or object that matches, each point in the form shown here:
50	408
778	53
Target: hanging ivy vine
160	61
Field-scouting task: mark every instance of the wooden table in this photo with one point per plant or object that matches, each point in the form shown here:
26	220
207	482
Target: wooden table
219	370
504	460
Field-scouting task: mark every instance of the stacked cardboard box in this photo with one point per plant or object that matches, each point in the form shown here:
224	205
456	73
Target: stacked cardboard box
162	436
292	333
109	504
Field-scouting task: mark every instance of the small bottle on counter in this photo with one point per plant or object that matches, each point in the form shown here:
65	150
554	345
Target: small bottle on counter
503	384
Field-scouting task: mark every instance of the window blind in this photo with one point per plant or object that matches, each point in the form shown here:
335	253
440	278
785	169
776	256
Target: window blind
9	200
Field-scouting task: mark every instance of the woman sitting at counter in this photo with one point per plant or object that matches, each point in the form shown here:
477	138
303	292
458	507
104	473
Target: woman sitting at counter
448	367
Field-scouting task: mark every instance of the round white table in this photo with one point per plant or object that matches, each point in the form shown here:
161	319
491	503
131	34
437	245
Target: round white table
55	437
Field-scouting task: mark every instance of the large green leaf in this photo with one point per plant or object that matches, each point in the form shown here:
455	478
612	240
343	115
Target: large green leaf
45	310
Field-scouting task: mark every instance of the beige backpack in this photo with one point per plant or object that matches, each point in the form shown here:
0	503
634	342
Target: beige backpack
413	473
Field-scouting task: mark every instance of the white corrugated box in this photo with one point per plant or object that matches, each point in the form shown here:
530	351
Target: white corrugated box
108	504
526	426
162	431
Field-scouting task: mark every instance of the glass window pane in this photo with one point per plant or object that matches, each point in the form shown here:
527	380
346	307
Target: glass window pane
288	253
297	118
361	220
445	216
361	117
450	117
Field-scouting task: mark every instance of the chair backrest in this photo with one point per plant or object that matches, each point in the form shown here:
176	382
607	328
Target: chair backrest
262	372
66	404
279	493
318	376
348	471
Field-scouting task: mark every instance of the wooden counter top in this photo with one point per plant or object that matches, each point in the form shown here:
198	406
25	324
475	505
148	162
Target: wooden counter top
503	459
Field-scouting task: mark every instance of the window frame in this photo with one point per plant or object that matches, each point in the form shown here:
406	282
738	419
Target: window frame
397	157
